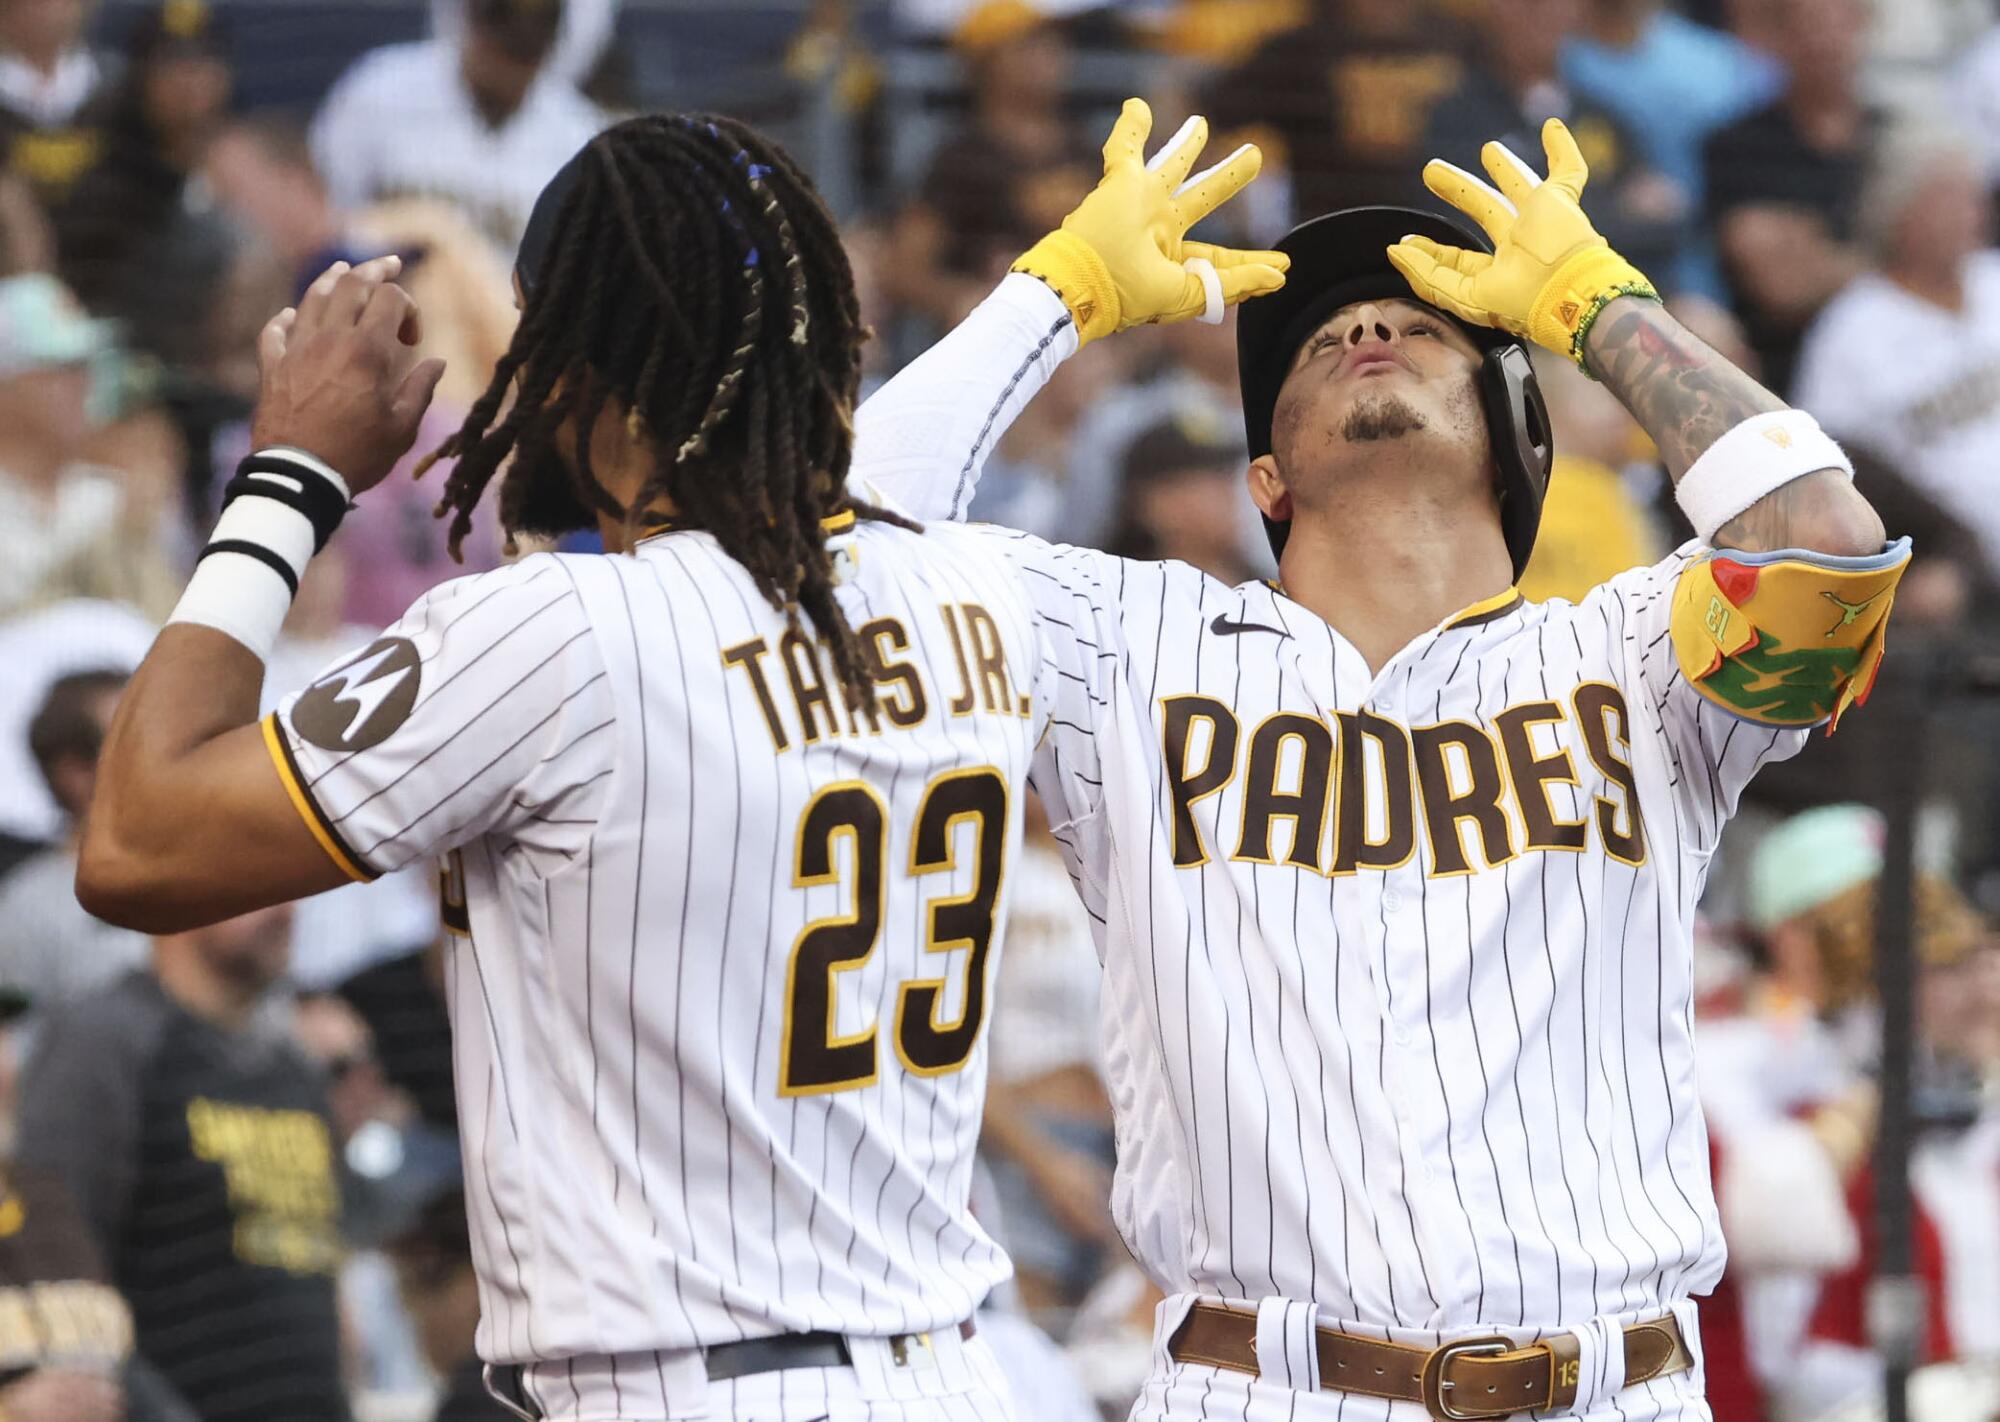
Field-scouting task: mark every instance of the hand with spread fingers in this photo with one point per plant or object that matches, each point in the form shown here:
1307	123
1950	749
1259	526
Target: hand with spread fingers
1549	273
1122	259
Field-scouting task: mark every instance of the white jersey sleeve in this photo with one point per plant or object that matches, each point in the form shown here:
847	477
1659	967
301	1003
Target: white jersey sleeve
1711	754
922	440
484	709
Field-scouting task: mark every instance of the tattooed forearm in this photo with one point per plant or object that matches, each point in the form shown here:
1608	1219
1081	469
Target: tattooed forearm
1686	396
1680	391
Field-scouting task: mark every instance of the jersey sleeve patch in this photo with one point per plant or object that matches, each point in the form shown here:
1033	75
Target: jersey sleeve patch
316	819
1786	638
358	703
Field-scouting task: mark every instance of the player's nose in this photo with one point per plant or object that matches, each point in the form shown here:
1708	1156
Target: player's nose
1369	323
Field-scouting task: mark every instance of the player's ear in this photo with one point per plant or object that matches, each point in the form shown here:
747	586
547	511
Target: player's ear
1267	488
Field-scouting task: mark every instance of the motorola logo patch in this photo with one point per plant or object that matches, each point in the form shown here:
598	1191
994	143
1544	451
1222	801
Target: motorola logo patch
357	704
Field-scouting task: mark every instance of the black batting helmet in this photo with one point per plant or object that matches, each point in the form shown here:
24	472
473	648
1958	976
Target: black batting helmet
1343	258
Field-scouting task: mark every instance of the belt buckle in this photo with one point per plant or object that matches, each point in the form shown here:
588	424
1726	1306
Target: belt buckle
1435	1386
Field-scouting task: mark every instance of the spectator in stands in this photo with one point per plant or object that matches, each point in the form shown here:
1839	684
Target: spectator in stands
1975	99
67	528
1593	527
1224	32
262	173
1813	886
1192	375
940	19
1182	496
27	241
1670	81
441	1294
1015	167
472	119
67	1355
402	1001
1513	85
1783	183
195	1137
1345	99
1786	1085
51	951
1907	357
51	88
582	44
112	229
1031	474
37	649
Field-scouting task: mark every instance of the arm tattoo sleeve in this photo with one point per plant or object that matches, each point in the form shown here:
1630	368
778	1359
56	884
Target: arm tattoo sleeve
1686	397
1680	391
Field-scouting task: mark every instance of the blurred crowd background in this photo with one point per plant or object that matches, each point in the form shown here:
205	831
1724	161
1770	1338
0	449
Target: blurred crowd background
230	1189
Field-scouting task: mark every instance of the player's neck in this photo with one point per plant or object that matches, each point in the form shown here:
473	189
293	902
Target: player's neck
623	474
1383	581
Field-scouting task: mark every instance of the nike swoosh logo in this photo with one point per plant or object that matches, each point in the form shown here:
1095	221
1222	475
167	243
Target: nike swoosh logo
1223	627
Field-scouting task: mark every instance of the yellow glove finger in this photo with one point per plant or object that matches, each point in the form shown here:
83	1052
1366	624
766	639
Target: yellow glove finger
1176	157
1223	258
1457	259
1434	279
1494	214
1127	143
1515	179
1241	274
1212	187
1250	280
1567	170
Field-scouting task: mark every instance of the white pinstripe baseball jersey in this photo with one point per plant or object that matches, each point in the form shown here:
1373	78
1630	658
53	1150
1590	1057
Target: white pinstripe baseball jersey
1397	993
728	947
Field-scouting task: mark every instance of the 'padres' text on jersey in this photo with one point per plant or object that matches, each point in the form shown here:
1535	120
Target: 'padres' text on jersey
1397	995
727	945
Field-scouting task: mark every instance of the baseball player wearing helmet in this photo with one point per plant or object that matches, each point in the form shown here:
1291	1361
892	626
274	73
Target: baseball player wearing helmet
1394	872
727	814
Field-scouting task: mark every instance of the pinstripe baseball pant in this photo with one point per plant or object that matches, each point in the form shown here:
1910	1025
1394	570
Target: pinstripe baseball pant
950	1380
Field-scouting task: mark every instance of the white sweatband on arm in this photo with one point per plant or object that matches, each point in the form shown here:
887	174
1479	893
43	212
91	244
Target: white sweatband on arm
1762	454
279	510
1211	284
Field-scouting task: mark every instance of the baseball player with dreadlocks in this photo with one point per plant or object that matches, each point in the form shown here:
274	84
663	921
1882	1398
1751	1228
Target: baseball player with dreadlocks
1394	872
727	816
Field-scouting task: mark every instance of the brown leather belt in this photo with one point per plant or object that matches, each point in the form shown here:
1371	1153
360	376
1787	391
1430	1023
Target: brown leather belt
1466	1380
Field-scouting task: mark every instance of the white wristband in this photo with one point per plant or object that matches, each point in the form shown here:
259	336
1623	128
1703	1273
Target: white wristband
1211	285
1762	454
238	593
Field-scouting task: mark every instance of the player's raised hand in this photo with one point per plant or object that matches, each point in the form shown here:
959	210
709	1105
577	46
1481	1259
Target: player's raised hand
340	375
1549	272
1123	259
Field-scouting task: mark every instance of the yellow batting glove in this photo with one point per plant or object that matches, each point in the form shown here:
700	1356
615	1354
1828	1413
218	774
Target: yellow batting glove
1122	259
1549	274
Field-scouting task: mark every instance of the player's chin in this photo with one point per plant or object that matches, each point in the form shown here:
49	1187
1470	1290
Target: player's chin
1380	413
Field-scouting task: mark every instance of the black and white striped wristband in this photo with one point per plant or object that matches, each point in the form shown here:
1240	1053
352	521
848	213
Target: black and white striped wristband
277	512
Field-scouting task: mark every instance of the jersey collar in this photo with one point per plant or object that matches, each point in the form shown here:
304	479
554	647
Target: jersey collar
1490	609
839	521
1487	609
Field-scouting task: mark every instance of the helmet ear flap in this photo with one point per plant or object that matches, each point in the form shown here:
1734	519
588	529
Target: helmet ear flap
1517	420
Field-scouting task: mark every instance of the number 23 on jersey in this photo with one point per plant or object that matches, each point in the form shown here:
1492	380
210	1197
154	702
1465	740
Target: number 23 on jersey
814	1057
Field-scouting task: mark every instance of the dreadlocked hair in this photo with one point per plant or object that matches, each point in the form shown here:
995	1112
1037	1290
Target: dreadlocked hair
695	277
